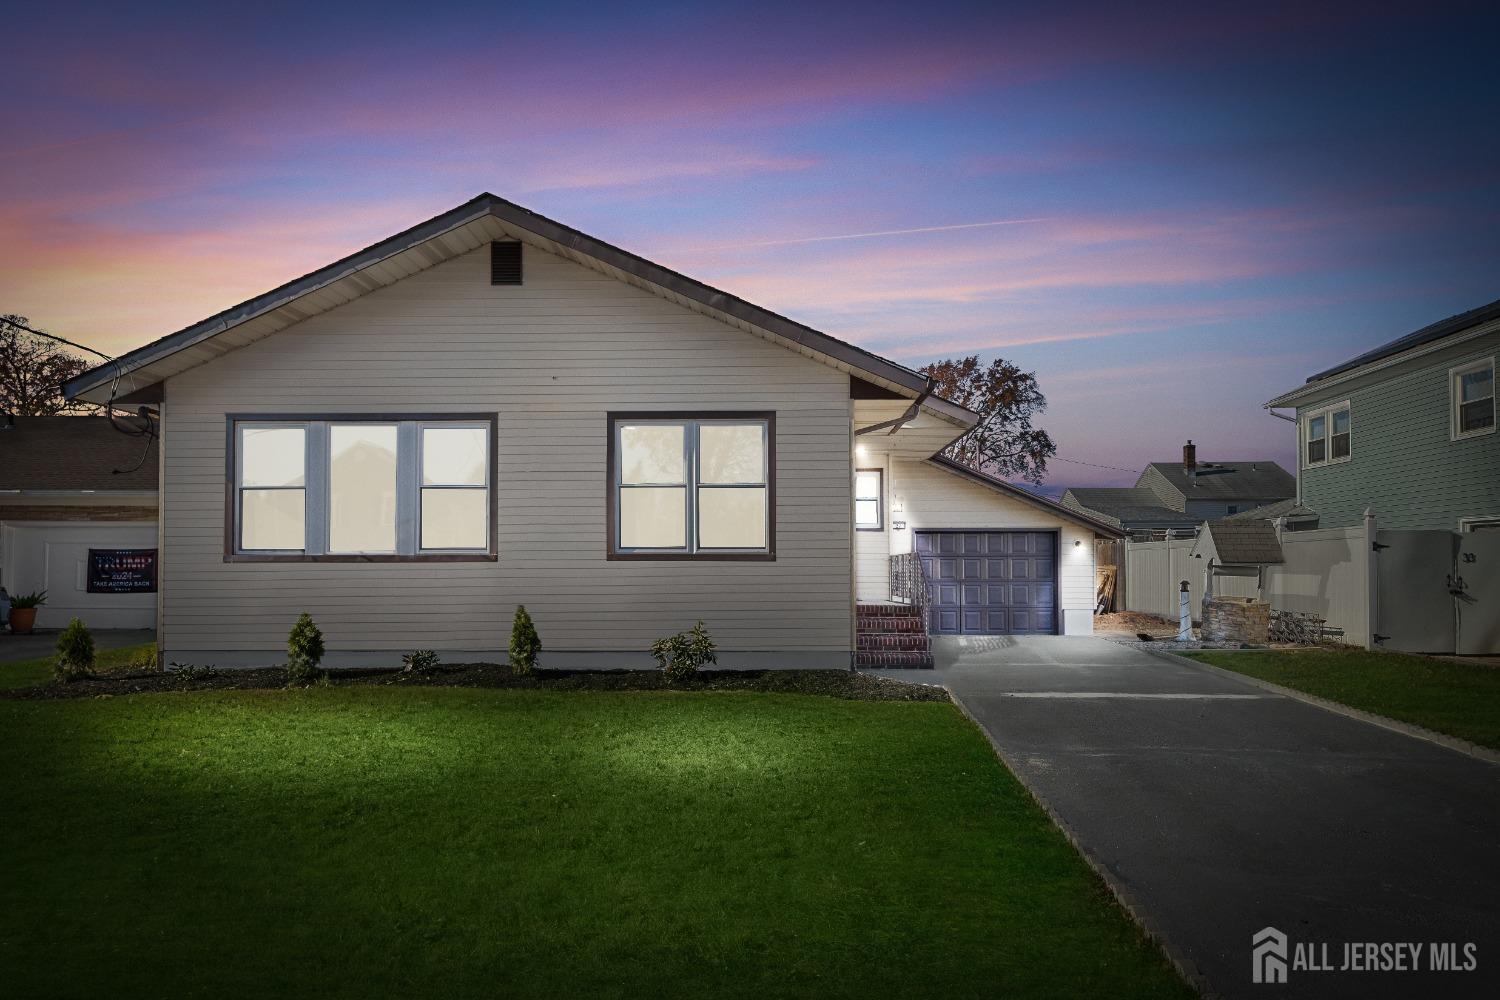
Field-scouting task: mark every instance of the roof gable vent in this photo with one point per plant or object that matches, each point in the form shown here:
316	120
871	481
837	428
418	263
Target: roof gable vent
505	263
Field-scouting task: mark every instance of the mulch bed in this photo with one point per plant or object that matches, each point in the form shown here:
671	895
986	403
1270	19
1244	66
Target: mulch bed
831	683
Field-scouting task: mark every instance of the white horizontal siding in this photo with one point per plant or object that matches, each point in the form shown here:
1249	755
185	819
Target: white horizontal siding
550	357
931	498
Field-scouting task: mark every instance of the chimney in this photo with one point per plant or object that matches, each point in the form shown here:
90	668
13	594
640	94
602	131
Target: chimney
1190	460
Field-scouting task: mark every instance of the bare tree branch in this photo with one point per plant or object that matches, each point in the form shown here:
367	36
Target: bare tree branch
32	371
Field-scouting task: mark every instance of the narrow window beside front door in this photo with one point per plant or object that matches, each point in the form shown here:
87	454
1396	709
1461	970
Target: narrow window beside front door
867	506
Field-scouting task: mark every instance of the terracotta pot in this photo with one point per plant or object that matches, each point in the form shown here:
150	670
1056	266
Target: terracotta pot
21	620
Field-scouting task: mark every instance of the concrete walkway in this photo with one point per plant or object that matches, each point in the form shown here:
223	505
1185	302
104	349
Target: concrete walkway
1218	809
40	643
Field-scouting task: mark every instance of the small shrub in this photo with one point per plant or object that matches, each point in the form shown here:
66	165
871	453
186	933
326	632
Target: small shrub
75	653
684	654
304	651
145	659
419	661
191	673
524	643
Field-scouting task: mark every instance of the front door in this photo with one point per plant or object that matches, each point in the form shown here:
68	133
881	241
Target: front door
990	582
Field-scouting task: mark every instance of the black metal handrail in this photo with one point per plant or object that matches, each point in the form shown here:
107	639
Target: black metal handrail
909	581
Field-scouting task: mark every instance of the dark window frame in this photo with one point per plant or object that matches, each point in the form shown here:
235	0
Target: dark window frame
612	551
231	499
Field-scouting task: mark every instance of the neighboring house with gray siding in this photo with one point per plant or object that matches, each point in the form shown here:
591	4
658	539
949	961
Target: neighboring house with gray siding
1172	495
492	409
1406	430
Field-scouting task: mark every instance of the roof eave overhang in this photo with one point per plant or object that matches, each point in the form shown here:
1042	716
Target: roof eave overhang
95	384
1315	389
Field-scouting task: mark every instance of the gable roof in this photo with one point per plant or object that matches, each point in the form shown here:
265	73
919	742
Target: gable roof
1429	334
1253	479
1026	496
64	454
1132	505
1244	543
481	220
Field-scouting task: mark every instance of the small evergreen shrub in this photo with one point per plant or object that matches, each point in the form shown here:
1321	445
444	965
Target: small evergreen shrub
524	643
684	654
75	653
304	649
419	661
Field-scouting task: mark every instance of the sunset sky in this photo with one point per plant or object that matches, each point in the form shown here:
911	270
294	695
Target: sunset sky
1169	214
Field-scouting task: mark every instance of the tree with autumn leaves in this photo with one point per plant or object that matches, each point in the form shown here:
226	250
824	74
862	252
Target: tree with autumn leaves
1004	443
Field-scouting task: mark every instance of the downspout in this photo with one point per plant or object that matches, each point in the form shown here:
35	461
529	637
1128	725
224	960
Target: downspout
904	419
1297	465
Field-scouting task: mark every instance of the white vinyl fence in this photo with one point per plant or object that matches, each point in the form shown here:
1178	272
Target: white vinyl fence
1424	591
1155	571
1326	572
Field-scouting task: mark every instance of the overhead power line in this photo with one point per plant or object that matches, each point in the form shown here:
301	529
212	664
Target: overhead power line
1092	465
60	340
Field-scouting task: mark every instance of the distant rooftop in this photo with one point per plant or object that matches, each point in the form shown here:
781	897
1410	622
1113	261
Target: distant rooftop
1133	505
72	453
1245	479
1281	508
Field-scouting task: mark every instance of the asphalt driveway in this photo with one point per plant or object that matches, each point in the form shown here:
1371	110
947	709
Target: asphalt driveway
1220	809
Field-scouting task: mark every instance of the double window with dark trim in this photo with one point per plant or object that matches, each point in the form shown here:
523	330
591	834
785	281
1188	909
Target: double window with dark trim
692	486
360	487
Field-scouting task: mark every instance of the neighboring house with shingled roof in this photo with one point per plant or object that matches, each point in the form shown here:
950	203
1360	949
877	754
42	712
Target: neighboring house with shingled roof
1170	495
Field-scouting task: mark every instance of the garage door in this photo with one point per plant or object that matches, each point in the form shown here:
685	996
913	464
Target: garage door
991	582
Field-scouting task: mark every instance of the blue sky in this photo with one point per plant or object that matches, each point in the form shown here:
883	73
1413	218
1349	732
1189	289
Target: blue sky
1170	213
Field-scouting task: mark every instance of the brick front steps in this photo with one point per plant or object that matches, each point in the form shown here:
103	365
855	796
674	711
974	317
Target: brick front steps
891	635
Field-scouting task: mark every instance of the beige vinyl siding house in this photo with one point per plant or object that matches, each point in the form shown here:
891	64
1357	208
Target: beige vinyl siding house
546	369
552	358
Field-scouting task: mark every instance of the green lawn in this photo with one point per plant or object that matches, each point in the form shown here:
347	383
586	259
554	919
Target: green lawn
25	673
1460	699
368	842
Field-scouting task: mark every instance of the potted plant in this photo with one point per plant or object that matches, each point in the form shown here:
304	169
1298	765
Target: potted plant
23	611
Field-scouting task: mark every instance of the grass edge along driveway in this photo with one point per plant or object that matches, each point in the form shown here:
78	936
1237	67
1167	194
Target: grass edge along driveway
368	841
1456	698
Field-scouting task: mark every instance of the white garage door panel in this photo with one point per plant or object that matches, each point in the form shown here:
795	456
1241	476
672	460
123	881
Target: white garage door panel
55	558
